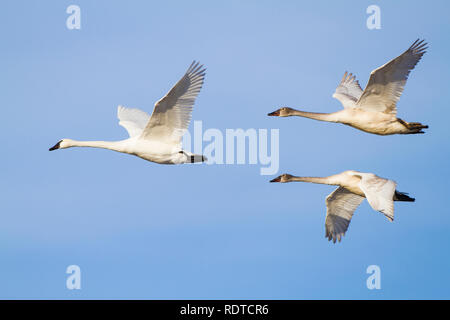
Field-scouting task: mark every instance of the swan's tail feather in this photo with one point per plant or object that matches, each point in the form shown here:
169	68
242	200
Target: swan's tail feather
402	196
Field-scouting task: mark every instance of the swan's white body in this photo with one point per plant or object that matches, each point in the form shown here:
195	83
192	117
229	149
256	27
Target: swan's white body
156	138
353	187
368	121
153	151
373	110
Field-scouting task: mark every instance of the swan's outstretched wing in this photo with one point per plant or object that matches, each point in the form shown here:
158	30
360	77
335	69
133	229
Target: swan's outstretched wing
348	91
172	114
379	193
133	120
386	83
341	204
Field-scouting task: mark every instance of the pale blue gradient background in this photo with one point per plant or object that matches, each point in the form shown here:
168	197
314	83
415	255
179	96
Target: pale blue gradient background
141	230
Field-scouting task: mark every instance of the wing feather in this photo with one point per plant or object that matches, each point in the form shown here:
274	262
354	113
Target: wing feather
341	204
172	114
379	193
348	91
386	83
133	120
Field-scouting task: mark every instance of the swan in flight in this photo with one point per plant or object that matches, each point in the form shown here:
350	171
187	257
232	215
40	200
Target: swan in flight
353	188
374	109
156	138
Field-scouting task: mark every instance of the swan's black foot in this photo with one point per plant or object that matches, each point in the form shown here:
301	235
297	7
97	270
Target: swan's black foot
413	127
416	125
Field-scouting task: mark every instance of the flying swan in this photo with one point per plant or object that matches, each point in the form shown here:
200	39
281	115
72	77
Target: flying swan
374	109
353	188
156	138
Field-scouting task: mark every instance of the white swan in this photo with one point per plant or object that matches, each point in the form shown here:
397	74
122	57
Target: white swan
156	138
353	188
374	109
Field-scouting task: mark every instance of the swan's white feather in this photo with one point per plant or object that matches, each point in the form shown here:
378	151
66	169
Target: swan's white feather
341	204
172	114
133	120
386	83
348	91
379	193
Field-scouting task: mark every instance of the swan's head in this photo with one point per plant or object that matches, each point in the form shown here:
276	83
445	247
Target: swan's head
282	112
283	178
62	144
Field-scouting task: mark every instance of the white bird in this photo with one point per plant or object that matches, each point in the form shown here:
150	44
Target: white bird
373	110
156	138
353	188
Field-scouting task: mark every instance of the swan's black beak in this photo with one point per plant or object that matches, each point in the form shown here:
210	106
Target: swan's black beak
56	146
277	179
274	114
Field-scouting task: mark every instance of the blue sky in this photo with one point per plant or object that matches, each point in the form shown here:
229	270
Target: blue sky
146	231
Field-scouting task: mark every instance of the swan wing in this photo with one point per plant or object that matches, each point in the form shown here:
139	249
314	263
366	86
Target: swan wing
172	114
379	193
133	120
386	83
348	91
341	204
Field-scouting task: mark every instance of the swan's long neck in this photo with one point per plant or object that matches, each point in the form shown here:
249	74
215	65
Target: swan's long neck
110	145
329	117
331	180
